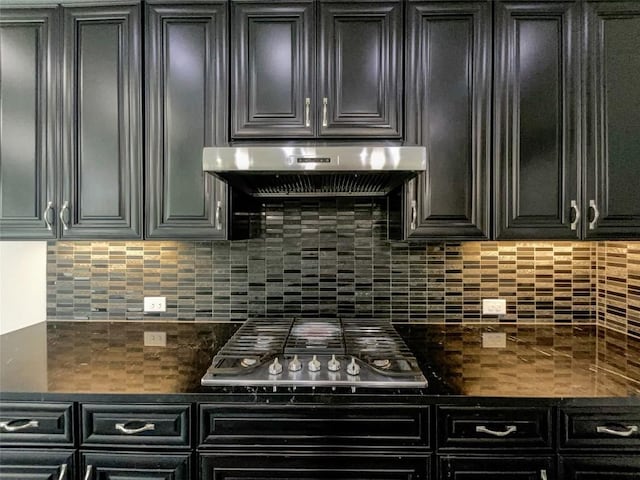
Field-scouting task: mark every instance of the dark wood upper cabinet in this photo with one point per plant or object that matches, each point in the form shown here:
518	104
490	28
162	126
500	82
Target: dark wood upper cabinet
186	72
536	122
612	118
28	123
101	125
354	91
360	69
273	85
448	92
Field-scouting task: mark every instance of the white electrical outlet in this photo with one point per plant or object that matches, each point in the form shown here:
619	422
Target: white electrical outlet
494	340
494	306
155	304
155	339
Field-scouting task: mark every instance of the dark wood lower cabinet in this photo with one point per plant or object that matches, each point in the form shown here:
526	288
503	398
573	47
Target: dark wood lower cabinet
122	465
599	467
36	464
321	465
504	467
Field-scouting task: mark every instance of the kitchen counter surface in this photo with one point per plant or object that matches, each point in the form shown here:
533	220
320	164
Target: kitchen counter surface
105	357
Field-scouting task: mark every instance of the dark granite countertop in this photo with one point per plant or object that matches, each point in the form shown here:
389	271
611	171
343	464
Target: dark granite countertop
109	357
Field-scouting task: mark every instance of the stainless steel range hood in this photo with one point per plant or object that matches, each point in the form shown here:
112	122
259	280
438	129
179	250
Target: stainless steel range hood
315	171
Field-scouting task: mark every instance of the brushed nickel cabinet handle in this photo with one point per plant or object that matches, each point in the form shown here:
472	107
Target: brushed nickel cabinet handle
543	474
63	210
414	215
631	429
218	220
47	212
7	427
307	112
132	431
63	471
576	210
596	214
496	433
325	122
87	473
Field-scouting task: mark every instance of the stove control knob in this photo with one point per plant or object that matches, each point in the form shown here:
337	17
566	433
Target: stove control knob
353	368
333	365
314	365
275	368
294	364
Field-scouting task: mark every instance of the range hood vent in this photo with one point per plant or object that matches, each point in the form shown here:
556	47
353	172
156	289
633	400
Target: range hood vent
314	171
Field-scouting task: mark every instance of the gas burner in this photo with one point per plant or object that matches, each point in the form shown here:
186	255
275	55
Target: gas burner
248	362
310	353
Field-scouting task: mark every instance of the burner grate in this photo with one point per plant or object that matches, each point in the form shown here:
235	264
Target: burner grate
318	336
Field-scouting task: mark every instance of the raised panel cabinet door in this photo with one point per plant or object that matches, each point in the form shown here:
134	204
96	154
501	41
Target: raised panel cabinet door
613	120
27	123
360	69
599	467
47	464
313	466
503	467
448	94
536	121
186	72
122	465
273	77
102	143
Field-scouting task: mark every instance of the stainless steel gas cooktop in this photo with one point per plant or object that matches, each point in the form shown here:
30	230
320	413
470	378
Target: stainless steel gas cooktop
304	352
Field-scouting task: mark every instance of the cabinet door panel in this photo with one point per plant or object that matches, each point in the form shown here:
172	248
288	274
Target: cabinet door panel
361	466
273	70
360	69
186	106
503	467
536	119
20	464
122	465
598	467
27	123
102	148
613	119
448	111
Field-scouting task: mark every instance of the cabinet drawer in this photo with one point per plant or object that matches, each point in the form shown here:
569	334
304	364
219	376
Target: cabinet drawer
617	427
490	467
271	425
487	427
36	423
49	464
150	426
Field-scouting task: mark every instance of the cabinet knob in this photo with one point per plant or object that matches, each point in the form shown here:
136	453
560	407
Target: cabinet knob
63	471
325	121
630	430
121	427
576	218
7	427
596	214
87	472
218	219
497	433
414	215
63	211
307	112
46	215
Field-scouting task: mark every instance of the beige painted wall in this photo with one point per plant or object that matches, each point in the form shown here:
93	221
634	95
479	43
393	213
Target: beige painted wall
23	284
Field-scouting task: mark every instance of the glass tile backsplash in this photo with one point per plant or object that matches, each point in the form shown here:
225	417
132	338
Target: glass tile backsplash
332	257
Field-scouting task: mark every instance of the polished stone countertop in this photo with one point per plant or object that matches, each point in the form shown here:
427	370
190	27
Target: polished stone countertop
110	357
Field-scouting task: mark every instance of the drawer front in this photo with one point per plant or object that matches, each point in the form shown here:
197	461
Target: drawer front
293	425
148	426
36	424
489	467
616	427
485	427
244	465
123	465
598	467
23	464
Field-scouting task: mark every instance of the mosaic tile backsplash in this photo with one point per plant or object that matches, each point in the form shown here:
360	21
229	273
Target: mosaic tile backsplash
328	257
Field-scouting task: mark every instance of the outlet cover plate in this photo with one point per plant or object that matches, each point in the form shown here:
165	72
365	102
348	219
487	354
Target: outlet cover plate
494	306
155	304
155	339
494	340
